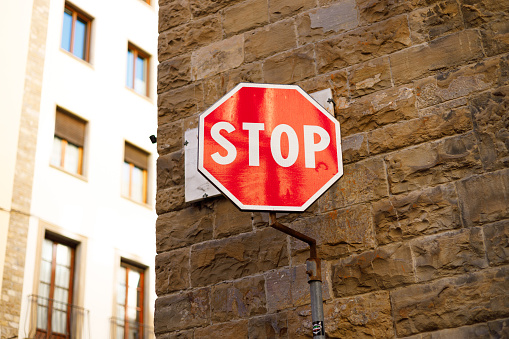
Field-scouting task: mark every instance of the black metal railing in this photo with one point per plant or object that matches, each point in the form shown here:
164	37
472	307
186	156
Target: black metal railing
53	319
122	329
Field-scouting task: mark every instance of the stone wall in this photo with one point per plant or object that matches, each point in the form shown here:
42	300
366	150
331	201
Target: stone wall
14	266
415	235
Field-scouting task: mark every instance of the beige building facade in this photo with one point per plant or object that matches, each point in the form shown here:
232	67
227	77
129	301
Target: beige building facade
414	236
77	175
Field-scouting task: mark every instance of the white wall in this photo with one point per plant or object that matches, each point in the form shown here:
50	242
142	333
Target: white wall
91	207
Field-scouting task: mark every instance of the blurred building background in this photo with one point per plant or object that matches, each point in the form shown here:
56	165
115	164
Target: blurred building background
77	169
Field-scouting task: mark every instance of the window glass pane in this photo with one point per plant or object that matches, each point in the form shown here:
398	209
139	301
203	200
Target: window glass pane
43	293
134	333
45	272
80	36
121	295
132	299
130	69
42	317
134	278
47	250
71	160
63	255
120	332
131	314
140	84
58	321
66	30
56	154
126	177
60	297
62	275
137	185
120	313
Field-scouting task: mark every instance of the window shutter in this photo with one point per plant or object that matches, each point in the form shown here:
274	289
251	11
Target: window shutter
70	128
136	156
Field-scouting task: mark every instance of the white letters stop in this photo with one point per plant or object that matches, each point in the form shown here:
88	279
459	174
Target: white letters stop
310	147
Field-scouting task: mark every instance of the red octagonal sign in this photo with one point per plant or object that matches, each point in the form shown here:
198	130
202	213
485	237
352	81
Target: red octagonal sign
269	147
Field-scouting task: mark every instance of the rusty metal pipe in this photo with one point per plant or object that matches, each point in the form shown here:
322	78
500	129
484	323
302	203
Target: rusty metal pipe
291	232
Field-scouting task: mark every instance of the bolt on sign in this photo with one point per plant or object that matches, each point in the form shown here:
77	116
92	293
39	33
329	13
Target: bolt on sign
269	147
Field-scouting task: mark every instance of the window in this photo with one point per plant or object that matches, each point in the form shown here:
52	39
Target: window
76	32
54	302
130	300
137	70
134	176
68	142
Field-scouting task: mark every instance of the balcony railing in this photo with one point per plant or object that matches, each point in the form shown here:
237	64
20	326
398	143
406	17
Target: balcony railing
121	329
52	319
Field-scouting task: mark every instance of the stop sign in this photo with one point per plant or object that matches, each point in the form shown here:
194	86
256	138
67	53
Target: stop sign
269	147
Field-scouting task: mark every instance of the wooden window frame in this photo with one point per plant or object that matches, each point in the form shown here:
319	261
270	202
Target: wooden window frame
48	333
139	52
142	167
139	308
64	141
77	13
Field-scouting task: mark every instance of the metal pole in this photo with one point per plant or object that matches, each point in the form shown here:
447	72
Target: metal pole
314	272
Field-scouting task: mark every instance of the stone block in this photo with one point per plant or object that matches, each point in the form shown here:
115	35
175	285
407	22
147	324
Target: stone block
478	14
496	238
173	13
495	36
269	40
451	302
450	253
230	220
280	9
182	311
290	67
217	57
484	199
321	22
416	131
183	228
245	16
173	73
245	73
365	316
189	334
279	290
214	88
440	54
386	267
374	11
368	77
499	328
337	233
185	38
271	326
362	44
169	138
299	323
172	271
378	109
458	82
337	81
361	182
230	330
170	170
491	125
354	147
423	212
205	7
180	103
478	331
431	22
239	299
433	163
170	199
238	256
